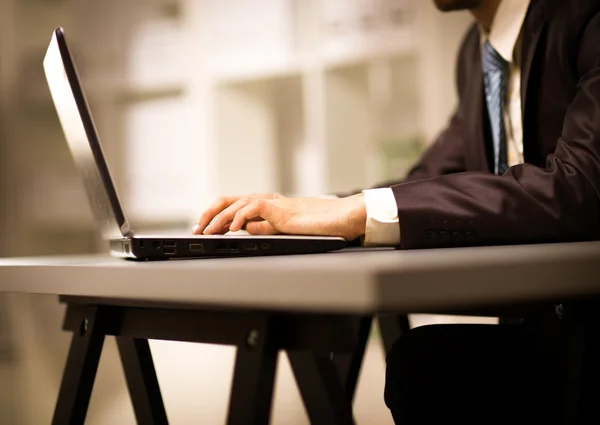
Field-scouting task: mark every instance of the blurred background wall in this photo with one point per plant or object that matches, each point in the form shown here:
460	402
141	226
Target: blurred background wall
193	99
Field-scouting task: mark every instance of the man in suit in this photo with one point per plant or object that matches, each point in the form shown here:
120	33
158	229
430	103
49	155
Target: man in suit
518	163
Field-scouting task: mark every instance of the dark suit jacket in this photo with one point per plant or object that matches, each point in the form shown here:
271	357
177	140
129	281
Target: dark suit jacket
451	197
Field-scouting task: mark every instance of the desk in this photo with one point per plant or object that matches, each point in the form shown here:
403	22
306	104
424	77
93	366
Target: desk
306	305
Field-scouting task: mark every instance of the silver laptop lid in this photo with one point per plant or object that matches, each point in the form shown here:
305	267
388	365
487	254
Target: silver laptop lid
82	138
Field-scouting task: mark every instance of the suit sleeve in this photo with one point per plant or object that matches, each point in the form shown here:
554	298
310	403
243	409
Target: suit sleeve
528	204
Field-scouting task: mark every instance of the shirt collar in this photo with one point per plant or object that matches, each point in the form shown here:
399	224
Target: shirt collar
506	27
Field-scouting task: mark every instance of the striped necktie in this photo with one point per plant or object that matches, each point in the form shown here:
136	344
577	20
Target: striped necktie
495	70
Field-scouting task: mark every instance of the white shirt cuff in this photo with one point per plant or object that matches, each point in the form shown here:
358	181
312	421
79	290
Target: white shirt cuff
383	228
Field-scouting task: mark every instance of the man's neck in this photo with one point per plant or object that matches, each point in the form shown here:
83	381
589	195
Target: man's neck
485	13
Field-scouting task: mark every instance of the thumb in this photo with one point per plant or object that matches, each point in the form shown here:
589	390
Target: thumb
260	228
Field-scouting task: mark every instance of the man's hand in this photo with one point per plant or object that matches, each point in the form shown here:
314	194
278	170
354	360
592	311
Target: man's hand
213	211
266	214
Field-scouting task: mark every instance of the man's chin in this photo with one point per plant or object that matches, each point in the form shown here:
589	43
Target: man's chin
451	5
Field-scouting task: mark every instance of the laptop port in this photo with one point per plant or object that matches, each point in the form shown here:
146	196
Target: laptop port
227	247
264	246
170	244
196	247
250	247
156	244
169	250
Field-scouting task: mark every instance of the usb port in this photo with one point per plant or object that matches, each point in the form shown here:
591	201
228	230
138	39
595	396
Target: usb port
227	247
250	247
170	244
167	250
196	247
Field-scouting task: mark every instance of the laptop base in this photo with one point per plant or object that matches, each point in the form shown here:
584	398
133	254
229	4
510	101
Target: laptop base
156	249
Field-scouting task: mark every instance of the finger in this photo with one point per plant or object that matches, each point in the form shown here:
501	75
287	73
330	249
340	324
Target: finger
226	216
212	211
254	219
259	208
262	227
247	213
263	195
251	211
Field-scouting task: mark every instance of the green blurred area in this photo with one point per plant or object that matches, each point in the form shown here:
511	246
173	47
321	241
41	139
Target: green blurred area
399	155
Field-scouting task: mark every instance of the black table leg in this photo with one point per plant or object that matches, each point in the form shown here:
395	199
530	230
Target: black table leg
253	380
581	385
80	372
142	381
321	388
348	365
392	327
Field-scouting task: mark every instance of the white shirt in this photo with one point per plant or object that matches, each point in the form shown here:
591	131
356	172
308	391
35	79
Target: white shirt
382	228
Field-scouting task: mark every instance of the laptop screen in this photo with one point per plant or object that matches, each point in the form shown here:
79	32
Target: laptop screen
82	138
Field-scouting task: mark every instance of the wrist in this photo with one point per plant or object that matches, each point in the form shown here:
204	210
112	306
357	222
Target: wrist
357	220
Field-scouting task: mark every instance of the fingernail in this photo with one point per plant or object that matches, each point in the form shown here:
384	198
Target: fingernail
196	228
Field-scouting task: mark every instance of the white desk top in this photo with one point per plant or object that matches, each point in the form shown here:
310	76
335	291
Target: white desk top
361	281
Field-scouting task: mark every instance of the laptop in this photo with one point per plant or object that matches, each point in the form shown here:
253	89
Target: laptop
82	138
